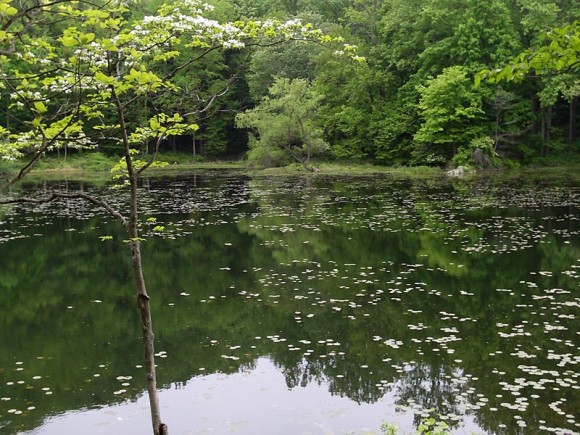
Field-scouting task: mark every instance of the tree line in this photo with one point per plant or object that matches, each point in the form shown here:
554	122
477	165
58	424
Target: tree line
419	98
413	101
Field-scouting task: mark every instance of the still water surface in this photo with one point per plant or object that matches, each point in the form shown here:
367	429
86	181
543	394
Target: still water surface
298	305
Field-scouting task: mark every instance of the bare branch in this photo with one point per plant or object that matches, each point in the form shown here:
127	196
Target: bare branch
210	103
153	155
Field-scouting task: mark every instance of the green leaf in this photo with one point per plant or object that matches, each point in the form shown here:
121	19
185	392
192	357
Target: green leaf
154	124
104	79
6	10
40	107
134	239
87	38
69	41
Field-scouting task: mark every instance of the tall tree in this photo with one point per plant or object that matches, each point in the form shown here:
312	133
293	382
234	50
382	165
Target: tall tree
292	61
486	35
285	124
449	106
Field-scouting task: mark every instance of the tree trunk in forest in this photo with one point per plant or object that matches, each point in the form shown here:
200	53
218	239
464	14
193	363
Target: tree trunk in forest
535	114
548	130
305	162
543	134
572	127
546	126
496	134
291	6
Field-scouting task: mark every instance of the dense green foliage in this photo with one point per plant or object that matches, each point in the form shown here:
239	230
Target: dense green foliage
285	124
418	99
125	77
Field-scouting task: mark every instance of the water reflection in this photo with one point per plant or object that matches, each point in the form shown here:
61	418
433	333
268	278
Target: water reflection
420	297
249	402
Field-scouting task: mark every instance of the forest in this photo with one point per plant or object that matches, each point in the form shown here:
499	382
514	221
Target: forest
418	91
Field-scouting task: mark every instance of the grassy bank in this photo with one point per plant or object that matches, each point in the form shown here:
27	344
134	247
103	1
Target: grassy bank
94	166
98	166
352	168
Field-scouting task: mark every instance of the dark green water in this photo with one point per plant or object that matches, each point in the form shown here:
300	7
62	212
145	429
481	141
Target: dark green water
298	305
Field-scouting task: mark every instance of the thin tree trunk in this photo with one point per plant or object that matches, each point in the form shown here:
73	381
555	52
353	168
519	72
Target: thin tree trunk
546	123
305	163
496	138
547	130
535	107
159	428
145	311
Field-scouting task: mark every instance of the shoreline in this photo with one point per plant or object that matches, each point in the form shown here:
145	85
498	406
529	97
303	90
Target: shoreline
85	168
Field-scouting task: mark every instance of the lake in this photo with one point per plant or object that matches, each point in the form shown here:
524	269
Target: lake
297	305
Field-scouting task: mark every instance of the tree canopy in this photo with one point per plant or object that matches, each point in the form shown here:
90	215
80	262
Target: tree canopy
370	111
559	53
284	123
